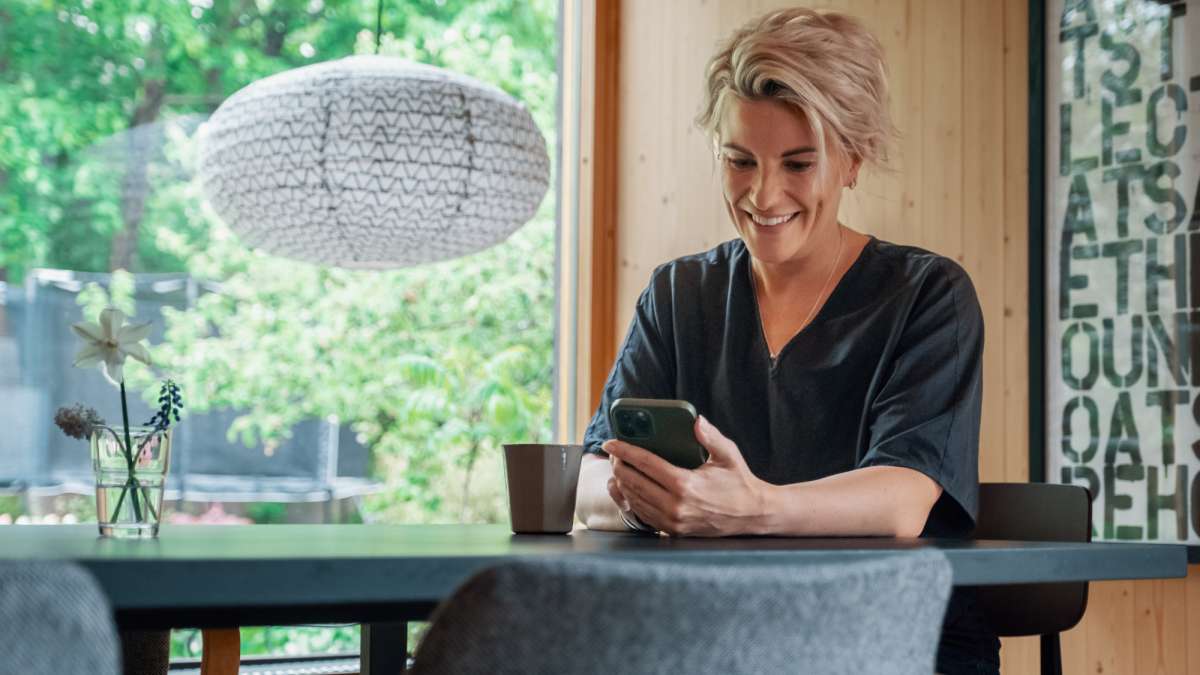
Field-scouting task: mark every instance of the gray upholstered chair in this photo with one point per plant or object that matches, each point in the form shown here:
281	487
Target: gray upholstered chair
56	621
600	615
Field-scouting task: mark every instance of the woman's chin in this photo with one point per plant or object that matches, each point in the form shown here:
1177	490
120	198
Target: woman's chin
771	246
769	252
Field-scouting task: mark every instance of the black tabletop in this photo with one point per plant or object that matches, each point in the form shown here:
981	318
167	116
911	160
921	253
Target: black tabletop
283	574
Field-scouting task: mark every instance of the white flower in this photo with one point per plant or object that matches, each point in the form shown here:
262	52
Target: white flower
109	342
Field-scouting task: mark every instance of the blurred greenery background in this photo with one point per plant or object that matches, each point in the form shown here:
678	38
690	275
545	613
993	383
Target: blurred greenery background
432	367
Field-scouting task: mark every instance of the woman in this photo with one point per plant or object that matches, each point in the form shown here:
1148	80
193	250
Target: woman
837	376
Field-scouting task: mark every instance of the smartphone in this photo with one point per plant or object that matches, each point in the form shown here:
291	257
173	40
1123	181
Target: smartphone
663	426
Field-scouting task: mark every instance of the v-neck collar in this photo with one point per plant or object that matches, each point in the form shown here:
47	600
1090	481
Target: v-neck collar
748	278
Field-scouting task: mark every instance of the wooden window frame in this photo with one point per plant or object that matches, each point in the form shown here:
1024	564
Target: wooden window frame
585	335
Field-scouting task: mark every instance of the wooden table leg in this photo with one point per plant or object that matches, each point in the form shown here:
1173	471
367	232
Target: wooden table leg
222	651
384	648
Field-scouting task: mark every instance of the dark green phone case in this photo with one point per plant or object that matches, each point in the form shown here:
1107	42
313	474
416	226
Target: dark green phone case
671	434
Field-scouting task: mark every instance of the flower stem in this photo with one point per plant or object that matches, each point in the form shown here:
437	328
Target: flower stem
125	488
146	496
137	509
137	458
132	481
120	500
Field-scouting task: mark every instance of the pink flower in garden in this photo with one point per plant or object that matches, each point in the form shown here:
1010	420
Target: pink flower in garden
148	448
215	515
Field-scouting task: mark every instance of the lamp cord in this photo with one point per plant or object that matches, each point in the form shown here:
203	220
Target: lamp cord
378	25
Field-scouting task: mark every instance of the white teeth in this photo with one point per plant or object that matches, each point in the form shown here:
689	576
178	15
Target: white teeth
771	221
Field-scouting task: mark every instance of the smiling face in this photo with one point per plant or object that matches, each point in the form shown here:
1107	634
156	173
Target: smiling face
770	181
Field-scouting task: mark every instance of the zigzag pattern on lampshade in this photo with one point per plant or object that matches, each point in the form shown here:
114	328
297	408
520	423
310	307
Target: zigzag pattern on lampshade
372	162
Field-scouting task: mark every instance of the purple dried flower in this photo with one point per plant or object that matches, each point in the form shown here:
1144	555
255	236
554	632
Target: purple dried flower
78	421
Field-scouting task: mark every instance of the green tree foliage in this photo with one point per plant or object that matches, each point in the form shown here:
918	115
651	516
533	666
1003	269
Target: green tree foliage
77	75
433	367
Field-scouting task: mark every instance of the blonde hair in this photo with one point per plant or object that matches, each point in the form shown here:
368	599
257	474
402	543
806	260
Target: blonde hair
826	65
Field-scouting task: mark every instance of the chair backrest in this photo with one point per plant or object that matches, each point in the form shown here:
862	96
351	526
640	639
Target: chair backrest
56	621
582	614
1033	512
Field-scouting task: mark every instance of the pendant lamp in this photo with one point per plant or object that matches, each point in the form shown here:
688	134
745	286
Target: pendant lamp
372	162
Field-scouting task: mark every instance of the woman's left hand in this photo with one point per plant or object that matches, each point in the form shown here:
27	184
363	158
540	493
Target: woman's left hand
721	497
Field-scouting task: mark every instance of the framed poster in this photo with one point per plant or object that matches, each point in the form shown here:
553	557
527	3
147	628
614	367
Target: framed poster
1116	234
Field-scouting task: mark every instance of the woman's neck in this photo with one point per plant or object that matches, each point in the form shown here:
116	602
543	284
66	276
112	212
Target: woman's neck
806	274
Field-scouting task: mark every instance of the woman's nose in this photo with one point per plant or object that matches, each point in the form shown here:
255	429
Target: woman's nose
765	190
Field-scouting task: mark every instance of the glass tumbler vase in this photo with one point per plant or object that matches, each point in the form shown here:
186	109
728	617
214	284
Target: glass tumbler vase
129	480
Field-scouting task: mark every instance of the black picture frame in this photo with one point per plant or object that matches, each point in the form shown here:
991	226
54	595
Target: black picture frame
1037	241
1037	250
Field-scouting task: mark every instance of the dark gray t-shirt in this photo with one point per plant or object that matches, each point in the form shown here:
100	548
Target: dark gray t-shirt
888	373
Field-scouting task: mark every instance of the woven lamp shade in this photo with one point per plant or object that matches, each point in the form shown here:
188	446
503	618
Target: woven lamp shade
372	162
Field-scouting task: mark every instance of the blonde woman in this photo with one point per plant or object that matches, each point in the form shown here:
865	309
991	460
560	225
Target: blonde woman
837	375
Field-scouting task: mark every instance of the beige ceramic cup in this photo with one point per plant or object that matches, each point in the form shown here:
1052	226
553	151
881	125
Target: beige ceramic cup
542	478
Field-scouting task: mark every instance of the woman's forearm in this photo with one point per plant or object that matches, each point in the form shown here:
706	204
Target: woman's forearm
873	501
593	505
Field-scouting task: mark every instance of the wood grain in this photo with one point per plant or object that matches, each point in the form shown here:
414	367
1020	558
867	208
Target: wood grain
605	169
1108	627
222	651
1193	618
1014	337
982	222
1074	650
941	195
1020	655
1160	627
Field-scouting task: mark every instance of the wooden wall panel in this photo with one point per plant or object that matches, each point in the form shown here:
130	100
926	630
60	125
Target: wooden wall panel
1108	628
1018	655
1014	338
958	186
1193	619
981	223
1160	627
941	128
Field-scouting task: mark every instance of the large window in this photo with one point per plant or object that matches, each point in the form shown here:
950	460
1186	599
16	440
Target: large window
312	394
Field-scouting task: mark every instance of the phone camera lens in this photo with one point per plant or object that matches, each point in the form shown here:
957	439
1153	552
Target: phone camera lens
625	423
634	423
641	422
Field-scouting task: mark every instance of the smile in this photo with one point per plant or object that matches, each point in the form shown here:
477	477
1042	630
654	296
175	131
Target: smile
771	222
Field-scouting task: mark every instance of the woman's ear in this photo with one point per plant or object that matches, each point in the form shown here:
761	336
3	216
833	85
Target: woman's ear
852	171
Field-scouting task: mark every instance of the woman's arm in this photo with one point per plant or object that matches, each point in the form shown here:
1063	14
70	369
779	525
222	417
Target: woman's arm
723	497
887	501
594	506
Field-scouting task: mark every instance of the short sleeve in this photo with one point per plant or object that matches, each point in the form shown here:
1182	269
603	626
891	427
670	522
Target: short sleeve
644	367
926	413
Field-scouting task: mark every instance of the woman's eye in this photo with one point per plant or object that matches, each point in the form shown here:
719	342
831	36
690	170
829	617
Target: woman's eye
739	163
798	166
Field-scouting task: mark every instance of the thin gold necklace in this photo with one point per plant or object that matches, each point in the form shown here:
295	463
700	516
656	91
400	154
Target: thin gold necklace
813	310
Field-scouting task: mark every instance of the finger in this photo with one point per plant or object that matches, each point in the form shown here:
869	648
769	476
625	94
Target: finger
638	489
651	514
649	464
617	496
720	448
618	465
630	480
